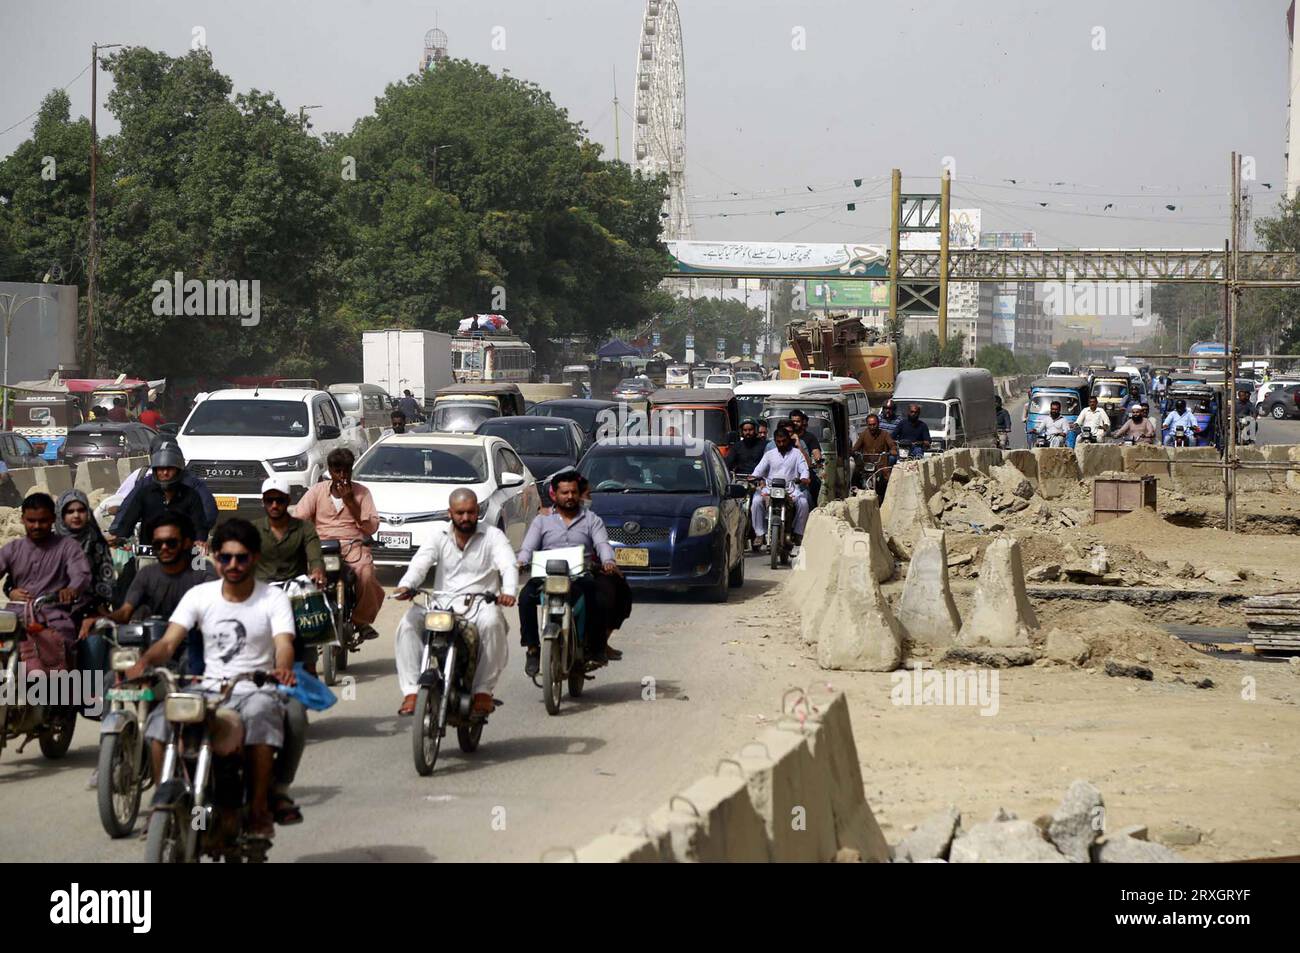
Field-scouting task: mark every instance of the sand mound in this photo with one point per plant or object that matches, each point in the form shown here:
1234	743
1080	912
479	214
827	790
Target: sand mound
1117	631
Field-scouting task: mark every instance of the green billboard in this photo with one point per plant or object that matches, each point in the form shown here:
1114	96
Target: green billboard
846	294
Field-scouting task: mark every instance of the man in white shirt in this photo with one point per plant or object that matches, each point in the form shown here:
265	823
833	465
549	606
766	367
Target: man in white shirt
1054	427
783	461
469	558
1096	418
1180	416
247	627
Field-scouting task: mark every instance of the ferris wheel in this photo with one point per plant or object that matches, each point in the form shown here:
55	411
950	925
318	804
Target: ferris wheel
661	110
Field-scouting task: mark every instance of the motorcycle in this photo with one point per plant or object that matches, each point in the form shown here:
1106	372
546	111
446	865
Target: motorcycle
563	651
198	788
911	449
867	473
51	725
1041	441
1181	437
780	517
123	764
341	596
1086	435
1247	429
447	664
1004	439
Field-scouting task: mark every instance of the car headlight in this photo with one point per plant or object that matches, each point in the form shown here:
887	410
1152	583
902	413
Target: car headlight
557	585
703	521
188	708
123	659
287	464
439	620
333	563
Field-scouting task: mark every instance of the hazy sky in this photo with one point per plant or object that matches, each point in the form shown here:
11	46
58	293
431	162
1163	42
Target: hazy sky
1009	90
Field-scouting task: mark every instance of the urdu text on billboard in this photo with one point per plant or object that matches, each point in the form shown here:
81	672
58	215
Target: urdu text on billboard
779	259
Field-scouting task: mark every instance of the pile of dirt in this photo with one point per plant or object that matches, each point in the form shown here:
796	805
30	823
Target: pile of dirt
1119	632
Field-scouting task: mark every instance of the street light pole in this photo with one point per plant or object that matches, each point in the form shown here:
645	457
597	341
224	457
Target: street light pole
93	258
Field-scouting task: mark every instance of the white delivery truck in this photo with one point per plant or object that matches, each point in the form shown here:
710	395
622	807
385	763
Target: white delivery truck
399	360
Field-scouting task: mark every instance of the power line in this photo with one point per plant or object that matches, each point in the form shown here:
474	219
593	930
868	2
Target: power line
37	111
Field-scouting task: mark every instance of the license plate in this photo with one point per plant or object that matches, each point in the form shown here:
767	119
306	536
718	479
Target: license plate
130	694
227	502
395	540
632	557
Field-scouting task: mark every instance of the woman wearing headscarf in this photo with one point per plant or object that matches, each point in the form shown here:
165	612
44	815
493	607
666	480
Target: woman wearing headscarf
75	520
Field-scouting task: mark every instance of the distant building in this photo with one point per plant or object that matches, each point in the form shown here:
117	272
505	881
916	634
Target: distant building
1293	128
43	337
1011	313
435	49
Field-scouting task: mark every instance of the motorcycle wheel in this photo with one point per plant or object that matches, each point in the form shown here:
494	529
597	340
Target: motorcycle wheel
775	544
56	741
468	738
341	660
165	844
329	669
426	736
120	783
552	675
577	682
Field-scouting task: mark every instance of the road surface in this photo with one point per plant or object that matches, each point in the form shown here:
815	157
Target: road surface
536	782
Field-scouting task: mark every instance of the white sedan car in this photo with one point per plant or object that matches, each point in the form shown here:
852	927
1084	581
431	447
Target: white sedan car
412	475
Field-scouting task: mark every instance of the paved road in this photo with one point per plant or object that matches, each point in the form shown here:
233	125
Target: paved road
1270	431
536	781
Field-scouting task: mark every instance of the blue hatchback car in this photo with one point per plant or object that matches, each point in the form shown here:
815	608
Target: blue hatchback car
674	517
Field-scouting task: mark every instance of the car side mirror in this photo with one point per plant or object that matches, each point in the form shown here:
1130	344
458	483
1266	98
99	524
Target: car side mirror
732	436
737	491
512	479
329	432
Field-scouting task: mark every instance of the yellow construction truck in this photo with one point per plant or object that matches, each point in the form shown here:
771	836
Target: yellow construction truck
843	346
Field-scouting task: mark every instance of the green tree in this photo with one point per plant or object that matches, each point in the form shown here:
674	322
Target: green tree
997	359
476	193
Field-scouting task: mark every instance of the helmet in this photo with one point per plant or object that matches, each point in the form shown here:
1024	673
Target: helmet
167	455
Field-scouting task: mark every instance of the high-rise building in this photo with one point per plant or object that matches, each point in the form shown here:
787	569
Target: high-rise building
1011	313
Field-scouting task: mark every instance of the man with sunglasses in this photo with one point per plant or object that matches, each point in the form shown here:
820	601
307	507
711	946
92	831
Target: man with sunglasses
247	627
157	589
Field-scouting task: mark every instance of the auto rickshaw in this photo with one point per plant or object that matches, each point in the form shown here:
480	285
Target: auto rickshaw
45	419
1203	401
703	413
1112	393
1071	391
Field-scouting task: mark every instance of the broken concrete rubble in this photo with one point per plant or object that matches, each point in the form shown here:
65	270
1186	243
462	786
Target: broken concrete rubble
931	839
1077	821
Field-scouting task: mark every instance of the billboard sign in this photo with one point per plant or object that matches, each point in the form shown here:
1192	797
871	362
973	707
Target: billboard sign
779	259
846	294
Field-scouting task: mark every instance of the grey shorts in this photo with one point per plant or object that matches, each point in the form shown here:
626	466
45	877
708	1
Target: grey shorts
262	713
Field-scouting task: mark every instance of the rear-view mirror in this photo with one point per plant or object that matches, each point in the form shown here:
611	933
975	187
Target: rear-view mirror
512	479
329	432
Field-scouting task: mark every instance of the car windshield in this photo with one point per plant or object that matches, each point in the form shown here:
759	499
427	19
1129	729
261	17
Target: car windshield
248	418
350	401
400	463
933	412
630	470
461	418
95	439
701	423
722	379
532	439
584	416
1042	404
819	420
630	383
1107	389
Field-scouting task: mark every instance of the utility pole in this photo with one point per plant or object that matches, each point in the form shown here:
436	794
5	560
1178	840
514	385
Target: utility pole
1230	372
434	174
618	147
93	262
895	191
302	114
945	189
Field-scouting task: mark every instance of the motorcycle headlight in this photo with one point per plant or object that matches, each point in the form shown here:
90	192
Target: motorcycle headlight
703	521
777	493
557	585
187	708
439	620
123	659
333	563
8	622
287	464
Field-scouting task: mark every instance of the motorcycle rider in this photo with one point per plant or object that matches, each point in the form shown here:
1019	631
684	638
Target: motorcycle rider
782	461
247	626
1003	421
812	450
1138	427
467	557
876	443
572	524
748	450
165	493
343	510
1096	418
912	429
1055	428
889	417
1180	416
110	505
39	562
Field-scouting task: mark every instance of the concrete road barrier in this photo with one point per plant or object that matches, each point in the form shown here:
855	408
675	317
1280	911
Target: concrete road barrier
906	510
857	631
24	480
55	480
1058	471
127	465
1002	615
1094	459
1025	462
984	459
1194	480
1249	480
863	512
618	849
97	475
1293	476
926	610
714	821
1157	465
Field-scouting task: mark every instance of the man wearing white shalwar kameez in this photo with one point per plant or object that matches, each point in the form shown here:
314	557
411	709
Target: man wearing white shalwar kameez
470	558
